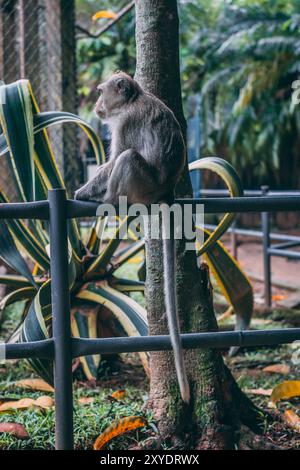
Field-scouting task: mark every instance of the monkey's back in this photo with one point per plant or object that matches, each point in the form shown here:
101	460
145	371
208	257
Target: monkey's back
155	133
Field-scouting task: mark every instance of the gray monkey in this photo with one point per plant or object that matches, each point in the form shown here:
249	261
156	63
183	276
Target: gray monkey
147	157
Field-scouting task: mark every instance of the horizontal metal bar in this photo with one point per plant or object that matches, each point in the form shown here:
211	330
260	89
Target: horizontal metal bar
284	253
246	204
27	210
214	340
257	233
248	192
77	209
42	349
283	246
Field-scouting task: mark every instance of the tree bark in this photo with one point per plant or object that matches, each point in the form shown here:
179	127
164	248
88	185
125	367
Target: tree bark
217	407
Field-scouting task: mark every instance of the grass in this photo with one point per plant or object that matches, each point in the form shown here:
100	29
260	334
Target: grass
89	420
126	373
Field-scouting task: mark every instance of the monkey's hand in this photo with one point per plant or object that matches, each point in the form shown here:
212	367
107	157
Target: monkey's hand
95	189
90	192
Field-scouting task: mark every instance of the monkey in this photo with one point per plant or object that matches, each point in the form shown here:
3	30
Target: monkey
147	158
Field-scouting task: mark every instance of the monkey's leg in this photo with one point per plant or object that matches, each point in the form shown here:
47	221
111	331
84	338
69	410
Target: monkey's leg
94	190
134	178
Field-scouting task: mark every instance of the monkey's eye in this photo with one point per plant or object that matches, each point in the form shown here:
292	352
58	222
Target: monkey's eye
100	91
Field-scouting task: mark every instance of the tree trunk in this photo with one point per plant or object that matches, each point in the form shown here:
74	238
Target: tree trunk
217	408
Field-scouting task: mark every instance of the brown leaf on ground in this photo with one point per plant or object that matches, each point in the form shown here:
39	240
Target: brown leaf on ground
119	394
288	389
42	402
15	429
292	419
86	400
34	384
277	369
266	392
118	428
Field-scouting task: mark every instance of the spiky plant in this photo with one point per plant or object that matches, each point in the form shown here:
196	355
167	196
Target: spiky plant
97	292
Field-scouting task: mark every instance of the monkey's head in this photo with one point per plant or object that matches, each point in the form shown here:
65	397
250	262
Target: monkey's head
120	89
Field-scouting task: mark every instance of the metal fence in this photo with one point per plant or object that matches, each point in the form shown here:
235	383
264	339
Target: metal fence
37	42
62	348
280	249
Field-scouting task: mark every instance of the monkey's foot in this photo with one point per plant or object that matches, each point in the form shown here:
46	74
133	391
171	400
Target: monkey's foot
80	195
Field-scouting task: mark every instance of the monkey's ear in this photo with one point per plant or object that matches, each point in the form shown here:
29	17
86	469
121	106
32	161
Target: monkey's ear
123	86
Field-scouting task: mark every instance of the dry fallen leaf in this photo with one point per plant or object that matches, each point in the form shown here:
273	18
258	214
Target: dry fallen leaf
42	402
118	428
292	419
266	392
34	384
119	394
23	404
15	429
277	369
288	389
278	297
107	14
86	400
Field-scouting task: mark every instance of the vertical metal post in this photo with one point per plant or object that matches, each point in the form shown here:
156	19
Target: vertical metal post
61	320
234	240
265	221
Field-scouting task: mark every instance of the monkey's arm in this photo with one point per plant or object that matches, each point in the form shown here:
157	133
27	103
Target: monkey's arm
95	189
132	176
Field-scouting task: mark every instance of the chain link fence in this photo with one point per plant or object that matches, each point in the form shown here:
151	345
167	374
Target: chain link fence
37	42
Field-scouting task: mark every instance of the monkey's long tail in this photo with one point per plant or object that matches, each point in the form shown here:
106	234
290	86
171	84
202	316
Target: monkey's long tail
171	305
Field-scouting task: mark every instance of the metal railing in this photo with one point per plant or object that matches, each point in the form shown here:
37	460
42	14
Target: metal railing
62	348
280	249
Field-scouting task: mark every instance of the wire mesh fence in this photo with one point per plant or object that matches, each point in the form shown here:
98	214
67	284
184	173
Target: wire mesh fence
37	42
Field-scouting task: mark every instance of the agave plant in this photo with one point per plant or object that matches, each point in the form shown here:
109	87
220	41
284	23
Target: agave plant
96	290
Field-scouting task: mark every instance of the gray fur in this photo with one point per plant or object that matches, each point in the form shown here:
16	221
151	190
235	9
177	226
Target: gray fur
147	152
146	160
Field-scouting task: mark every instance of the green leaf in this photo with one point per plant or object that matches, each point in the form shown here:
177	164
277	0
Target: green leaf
46	174
101	262
38	322
36	328
48	119
14	281
130	315
233	282
84	325
230	177
11	255
25	293
16	120
124	255
21	233
127	285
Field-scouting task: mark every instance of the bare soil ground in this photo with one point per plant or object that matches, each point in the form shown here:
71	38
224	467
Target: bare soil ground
285	272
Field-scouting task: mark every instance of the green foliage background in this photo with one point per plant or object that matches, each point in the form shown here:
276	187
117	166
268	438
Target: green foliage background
242	56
